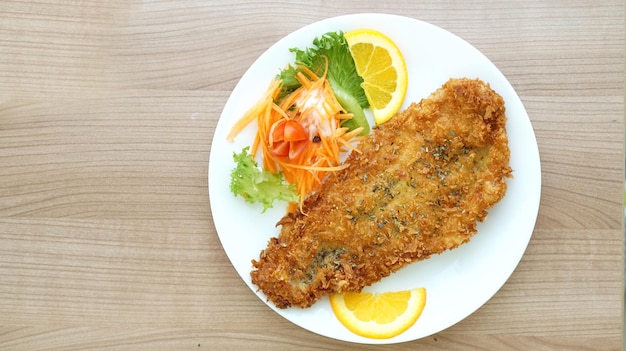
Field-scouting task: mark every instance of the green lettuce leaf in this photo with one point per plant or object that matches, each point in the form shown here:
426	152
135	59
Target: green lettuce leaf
258	185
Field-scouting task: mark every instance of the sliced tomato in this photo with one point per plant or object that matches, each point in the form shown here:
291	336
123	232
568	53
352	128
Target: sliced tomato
296	148
289	139
280	148
278	131
291	149
294	131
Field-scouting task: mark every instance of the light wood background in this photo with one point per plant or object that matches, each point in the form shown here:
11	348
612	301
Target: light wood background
107	111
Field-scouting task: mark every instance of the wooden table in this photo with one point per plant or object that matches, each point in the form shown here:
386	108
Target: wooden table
107	112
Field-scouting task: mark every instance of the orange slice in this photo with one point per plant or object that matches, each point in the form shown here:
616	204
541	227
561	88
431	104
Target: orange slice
380	63
379	316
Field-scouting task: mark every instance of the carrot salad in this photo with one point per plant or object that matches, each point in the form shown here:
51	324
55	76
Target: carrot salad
300	135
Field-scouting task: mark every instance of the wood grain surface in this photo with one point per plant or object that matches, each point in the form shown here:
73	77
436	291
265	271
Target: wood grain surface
107	113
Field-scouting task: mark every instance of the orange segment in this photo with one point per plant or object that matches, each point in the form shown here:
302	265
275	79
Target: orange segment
380	63
379	316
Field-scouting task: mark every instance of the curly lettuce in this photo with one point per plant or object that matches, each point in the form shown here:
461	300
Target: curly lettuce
258	185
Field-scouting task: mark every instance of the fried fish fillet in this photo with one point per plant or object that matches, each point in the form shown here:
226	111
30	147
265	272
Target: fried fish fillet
422	182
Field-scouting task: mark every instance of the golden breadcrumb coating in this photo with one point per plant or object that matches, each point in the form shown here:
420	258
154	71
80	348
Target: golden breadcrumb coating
419	186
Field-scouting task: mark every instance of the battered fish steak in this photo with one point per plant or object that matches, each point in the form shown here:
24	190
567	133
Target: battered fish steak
422	182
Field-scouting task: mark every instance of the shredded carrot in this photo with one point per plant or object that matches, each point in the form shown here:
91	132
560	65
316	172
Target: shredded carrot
255	111
314	106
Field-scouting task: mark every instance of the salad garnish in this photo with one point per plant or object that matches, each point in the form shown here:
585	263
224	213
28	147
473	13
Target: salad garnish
257	185
310	114
332	49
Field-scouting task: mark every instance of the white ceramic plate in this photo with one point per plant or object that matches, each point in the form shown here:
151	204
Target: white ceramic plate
458	282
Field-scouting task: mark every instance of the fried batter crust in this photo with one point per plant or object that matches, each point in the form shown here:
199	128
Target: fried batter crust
418	188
